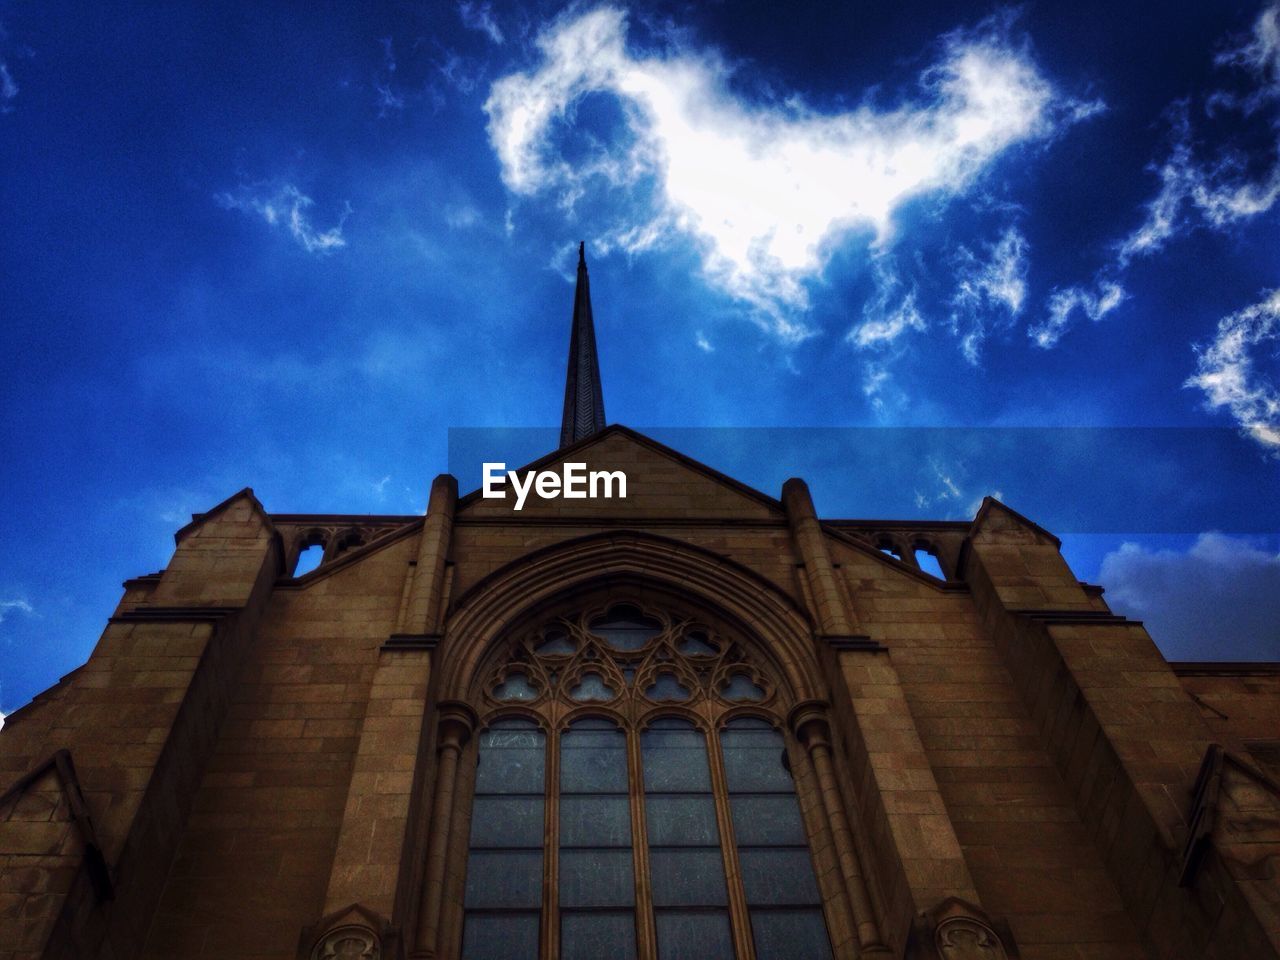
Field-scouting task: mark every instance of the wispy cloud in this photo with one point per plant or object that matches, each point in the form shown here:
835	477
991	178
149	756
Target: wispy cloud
767	191
990	290
1217	191
1065	303
8	88
479	16
1226	371
703	343
459	72
388	99
944	488
287	207
886	318
1231	613
15	605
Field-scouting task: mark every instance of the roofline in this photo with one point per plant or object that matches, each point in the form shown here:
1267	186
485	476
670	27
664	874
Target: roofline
655	445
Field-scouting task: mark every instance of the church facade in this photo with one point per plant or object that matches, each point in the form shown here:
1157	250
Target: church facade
699	721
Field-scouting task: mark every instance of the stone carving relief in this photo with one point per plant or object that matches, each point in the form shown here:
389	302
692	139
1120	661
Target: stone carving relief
348	943
965	938
958	930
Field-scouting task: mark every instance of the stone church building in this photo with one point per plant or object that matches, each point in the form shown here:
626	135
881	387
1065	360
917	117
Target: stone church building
694	723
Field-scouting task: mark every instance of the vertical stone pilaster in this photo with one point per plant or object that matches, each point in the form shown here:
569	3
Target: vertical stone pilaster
902	844
831	612
457	723
809	723
421	612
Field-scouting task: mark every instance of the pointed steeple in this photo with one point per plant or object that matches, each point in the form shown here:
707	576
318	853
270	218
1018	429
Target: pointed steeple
583	398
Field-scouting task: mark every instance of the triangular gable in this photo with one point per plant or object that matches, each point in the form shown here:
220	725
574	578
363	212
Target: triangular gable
203	518
661	482
991	514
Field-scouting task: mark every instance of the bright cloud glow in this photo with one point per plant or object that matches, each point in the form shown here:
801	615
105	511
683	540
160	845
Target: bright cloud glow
987	288
1064	303
288	207
1225	371
767	190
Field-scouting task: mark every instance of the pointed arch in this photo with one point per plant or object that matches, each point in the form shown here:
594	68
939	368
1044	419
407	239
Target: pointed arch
646	564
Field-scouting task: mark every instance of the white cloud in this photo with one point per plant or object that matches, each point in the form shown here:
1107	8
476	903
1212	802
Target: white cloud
16	605
1220	599
987	288
1259	54
945	487
459	216
1226	372
479	16
2	716
766	190
884	324
287	207
8	88
703	343
1220	190
875	378
1063	304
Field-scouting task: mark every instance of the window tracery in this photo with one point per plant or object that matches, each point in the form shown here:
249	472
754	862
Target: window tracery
652	813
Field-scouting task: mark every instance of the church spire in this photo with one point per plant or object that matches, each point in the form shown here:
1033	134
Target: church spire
583	398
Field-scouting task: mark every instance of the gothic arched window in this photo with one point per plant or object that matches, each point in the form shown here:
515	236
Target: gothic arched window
634	799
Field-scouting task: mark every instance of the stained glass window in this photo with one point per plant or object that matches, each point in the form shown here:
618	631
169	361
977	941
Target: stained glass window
553	862
503	897
777	872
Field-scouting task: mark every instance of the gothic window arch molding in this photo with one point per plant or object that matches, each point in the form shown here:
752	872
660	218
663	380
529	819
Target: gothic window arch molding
630	793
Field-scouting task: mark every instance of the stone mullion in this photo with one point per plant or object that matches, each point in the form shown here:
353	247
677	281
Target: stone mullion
646	927
739	915
549	933
812	730
457	721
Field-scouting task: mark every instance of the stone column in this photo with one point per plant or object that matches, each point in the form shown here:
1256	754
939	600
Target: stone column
830	609
809	724
421	609
456	724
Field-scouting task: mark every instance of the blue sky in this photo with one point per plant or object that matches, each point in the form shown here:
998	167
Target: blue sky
290	245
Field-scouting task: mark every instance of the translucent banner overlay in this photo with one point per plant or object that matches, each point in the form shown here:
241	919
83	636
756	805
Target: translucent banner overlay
1070	480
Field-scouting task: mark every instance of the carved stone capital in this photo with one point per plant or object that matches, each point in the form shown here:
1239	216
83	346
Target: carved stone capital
457	722
809	722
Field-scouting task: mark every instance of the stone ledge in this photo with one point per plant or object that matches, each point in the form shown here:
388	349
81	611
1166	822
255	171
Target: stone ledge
412	641
143	614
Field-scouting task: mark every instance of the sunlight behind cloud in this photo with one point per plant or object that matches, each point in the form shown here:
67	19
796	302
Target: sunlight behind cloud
766	190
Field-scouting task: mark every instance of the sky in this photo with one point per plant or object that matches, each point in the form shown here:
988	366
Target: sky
1027	251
